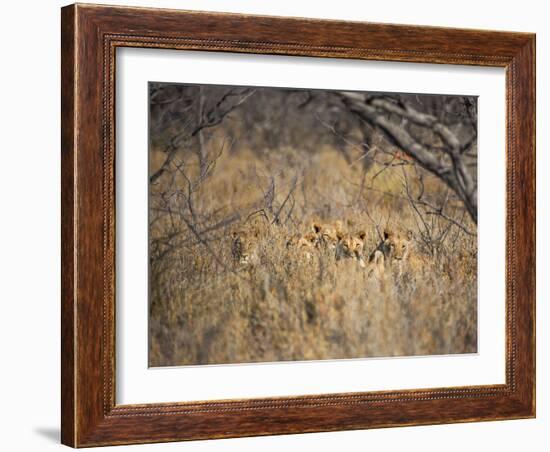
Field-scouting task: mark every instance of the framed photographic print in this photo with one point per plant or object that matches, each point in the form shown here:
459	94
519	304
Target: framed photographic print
280	225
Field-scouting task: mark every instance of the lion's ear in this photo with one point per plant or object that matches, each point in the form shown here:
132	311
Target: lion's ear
340	234
316	227
387	233
410	234
362	235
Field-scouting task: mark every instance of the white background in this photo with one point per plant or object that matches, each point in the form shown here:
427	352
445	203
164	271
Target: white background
29	382
137	384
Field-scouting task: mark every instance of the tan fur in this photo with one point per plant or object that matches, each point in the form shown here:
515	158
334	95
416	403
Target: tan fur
328	234
244	247
395	247
304	244
375	267
351	246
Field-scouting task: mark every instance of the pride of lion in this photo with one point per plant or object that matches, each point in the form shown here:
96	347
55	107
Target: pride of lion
334	238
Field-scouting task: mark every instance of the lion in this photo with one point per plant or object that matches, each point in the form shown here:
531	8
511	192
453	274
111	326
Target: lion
244	247
375	267
305	244
328	234
395	246
351	246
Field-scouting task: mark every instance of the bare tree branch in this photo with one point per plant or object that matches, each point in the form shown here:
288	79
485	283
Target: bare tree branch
213	118
453	170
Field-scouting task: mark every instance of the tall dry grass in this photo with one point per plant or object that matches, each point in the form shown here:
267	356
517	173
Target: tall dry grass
206	309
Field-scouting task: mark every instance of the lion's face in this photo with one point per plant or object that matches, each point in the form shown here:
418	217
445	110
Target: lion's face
243	246
328	234
305	244
308	241
351	245
396	245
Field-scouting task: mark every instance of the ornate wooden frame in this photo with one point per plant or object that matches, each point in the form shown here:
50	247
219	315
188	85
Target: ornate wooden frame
90	35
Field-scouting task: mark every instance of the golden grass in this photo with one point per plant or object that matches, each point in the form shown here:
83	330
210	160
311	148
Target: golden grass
207	309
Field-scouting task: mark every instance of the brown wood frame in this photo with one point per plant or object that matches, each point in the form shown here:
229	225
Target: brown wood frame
90	35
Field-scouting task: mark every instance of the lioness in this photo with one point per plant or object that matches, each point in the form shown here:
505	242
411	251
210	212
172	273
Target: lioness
244	247
305	244
351	246
376	264
328	234
395	245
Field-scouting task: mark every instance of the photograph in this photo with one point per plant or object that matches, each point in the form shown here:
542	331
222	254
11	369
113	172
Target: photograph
291	224
275	226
